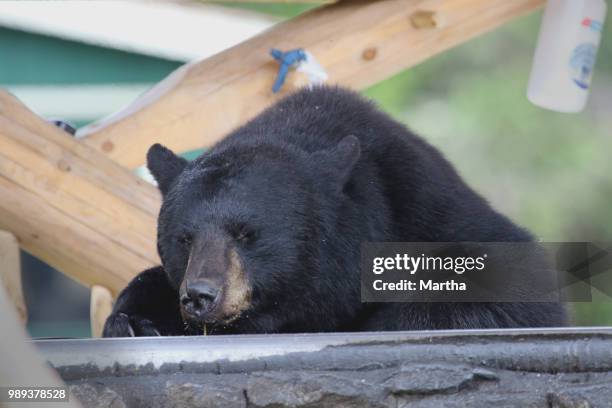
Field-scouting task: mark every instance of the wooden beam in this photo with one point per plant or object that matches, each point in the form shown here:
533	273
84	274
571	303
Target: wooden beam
71	206
10	272
358	42
100	307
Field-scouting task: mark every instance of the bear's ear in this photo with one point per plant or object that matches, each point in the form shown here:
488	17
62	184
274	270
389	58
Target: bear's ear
338	162
164	165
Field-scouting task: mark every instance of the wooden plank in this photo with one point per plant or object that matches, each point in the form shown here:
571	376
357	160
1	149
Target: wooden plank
358	42
100	307
10	272
71	206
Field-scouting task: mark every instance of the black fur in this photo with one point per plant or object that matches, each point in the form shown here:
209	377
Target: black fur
147	298
165	166
308	181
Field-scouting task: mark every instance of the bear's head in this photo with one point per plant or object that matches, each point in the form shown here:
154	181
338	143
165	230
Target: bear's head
240	230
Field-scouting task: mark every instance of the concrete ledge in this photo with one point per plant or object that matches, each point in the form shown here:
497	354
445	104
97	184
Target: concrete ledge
473	368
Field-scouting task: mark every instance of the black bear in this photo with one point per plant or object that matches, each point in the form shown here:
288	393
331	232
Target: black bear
262	233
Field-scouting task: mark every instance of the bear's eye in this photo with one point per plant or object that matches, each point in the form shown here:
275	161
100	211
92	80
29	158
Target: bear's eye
185	239
241	233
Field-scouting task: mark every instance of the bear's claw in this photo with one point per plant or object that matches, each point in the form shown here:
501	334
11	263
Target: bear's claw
122	325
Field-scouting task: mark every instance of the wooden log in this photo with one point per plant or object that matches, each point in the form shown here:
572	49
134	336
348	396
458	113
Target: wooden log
358	42
71	206
100	307
10	273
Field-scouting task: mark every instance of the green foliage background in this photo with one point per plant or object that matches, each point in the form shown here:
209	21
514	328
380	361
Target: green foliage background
548	171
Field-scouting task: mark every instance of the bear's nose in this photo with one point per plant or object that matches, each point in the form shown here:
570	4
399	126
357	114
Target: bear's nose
199	297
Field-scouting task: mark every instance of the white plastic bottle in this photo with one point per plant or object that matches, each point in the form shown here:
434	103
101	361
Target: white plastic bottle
565	55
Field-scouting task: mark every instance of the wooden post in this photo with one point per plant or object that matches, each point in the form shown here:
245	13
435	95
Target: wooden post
71	206
10	272
358	42
100	307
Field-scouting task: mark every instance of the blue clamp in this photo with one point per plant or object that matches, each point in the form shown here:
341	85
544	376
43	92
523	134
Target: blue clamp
287	60
65	126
